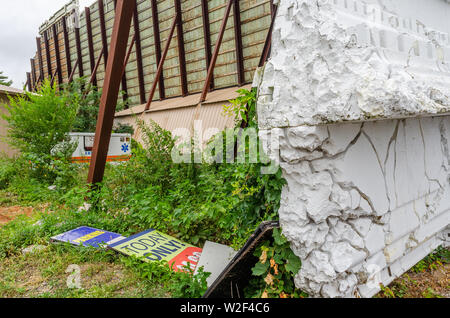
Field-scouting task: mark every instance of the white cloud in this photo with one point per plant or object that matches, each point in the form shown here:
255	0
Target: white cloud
19	26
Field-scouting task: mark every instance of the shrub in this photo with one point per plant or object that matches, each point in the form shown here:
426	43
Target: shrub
39	122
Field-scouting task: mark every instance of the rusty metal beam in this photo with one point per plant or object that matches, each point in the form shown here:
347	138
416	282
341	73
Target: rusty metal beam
33	73
207	37
124	77
161	63
47	55
90	41
101	12
127	56
30	88
238	40
79	52
181	50
97	64
157	37
137	42
67	46
39	54
212	65
108	102
57	54
72	74
268	44
52	81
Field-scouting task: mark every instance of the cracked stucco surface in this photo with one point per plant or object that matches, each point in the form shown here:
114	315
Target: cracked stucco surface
347	60
365	200
360	195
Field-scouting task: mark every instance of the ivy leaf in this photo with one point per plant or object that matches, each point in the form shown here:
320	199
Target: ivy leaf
293	264
260	269
278	237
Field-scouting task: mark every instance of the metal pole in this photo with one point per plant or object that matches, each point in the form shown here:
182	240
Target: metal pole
161	64
57	54
238	40
108	102
268	44
157	37
216	52
67	46
140	67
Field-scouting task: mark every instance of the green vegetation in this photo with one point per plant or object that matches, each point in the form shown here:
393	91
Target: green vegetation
275	269
427	279
224	203
4	80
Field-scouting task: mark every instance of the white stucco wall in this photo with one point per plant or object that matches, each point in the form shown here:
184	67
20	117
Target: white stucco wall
357	92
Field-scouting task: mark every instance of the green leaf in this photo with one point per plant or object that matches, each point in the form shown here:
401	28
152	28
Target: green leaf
278	237
293	264
260	269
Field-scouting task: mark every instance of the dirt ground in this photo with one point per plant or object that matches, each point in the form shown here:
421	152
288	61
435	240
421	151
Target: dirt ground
7	214
431	283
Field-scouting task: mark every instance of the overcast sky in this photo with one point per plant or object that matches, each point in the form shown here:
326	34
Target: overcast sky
19	26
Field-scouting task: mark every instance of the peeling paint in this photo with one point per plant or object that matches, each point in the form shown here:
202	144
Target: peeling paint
365	198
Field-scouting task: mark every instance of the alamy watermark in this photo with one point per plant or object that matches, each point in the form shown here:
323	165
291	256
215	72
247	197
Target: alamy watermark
74	279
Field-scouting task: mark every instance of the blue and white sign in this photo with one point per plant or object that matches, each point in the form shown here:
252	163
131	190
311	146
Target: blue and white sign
88	236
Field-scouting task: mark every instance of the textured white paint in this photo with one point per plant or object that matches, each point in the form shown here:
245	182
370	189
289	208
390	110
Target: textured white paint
340	212
356	93
341	60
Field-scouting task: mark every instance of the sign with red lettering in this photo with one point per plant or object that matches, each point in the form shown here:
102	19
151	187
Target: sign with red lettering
152	245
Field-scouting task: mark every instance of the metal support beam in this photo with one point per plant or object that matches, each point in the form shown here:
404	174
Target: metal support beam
97	64
212	65
181	50
57	54
101	12
157	37
67	46
268	44
161	63
53	77
207	37
47	55
79	52
72	74
108	102
33	74
140	67
39	54
90	41
127	57
30	88
124	77
238	40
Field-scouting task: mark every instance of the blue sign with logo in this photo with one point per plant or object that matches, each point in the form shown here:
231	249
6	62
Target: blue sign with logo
88	236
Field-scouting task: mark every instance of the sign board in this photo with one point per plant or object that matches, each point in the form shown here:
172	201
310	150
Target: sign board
215	258
152	245
88	236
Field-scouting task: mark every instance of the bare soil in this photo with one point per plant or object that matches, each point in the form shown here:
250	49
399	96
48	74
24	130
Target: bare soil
7	214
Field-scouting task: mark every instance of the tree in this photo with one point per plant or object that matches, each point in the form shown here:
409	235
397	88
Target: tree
87	98
4	80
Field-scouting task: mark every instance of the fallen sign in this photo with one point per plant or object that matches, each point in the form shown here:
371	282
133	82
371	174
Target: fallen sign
152	245
88	236
237	274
